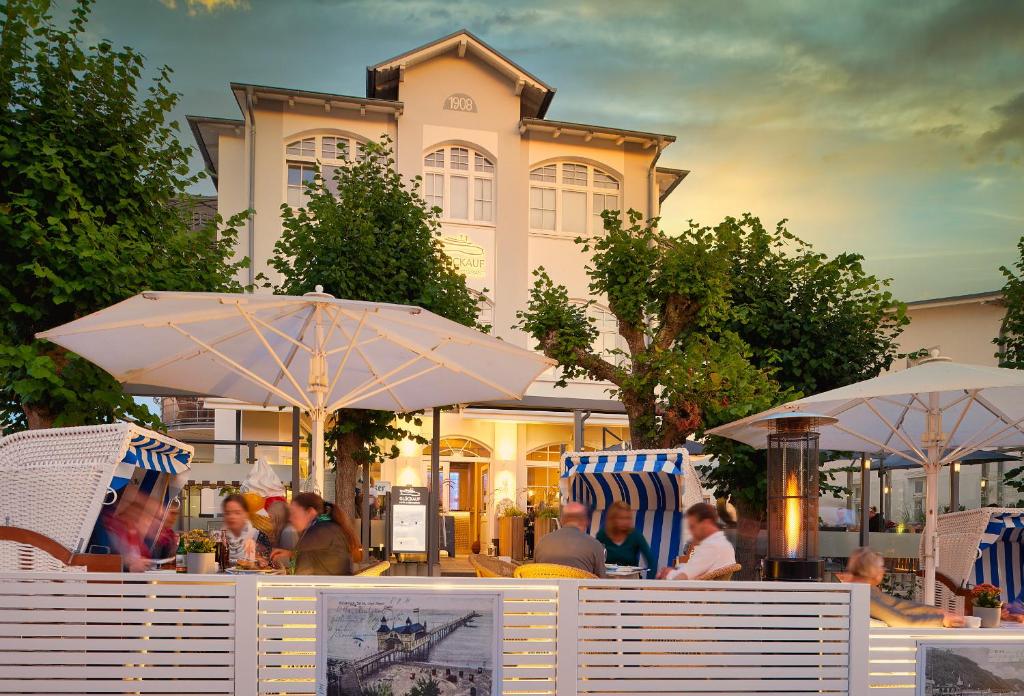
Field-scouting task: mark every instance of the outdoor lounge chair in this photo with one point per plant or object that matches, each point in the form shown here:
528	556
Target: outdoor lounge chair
552	570
975	547
28	550
723	573
490	567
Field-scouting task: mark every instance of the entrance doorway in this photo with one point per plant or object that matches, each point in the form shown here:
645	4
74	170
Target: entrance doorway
465	473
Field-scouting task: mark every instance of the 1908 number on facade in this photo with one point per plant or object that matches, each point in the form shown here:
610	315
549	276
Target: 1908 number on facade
460	102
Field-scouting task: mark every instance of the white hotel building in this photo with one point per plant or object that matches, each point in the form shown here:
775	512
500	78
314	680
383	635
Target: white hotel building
515	188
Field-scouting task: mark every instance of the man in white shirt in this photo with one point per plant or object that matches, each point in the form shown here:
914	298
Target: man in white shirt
711	549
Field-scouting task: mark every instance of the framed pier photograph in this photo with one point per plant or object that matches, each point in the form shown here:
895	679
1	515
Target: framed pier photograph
404	642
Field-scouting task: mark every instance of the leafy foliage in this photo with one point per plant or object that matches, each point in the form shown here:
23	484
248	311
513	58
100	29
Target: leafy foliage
682	365
90	171
1011	335
818	322
372	238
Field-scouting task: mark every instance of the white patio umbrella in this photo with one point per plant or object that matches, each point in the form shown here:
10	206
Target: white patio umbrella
932	414
315	352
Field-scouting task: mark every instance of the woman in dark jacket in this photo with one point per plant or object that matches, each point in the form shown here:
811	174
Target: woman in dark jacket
327	542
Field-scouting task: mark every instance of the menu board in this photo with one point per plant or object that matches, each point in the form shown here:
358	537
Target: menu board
409	520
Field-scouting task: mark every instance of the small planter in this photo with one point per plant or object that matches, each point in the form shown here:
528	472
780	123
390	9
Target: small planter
990	616
201	563
511	538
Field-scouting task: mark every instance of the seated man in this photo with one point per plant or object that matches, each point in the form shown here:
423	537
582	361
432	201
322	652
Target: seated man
570	545
711	549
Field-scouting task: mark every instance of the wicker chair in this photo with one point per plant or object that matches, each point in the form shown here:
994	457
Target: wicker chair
723	573
552	570
24	546
490	567
375	569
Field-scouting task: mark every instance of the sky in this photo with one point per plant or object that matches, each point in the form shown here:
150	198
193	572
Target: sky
891	129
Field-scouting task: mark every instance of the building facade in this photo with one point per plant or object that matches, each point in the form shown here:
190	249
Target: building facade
515	188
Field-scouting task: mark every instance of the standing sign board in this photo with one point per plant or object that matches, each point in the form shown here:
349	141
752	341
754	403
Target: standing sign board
409	520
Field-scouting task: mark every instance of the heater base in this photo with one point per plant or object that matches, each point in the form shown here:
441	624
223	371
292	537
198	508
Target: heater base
789	570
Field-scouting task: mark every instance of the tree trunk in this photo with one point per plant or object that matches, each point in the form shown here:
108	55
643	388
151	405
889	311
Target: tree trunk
346	470
642	421
38	417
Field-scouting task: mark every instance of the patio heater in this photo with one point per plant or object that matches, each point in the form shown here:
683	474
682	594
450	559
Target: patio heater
793	494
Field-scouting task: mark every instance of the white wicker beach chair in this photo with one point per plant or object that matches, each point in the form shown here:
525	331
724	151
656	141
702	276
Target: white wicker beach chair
55	481
977	546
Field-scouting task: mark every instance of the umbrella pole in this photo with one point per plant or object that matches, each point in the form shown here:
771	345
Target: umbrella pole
316	455
932	439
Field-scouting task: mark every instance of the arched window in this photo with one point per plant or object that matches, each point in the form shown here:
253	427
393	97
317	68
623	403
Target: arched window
331	151
569	197
485	317
460	448
459	181
542	473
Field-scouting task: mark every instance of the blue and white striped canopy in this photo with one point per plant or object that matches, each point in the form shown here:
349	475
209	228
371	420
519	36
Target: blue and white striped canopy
1000	558
645	480
652	483
152	455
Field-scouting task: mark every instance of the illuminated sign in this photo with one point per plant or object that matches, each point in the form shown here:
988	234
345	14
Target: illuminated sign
468	256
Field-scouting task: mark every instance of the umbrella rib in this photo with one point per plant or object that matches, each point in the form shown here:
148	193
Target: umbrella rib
340	349
906	406
894	430
882	447
903	417
373	371
277	359
991	408
963	414
189	354
355	391
416	348
273	329
348	351
333	326
986	440
294	350
253	377
344	404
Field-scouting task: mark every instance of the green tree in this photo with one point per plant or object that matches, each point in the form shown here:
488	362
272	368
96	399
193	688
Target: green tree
1011	333
683	365
372	238
820	323
425	686
90	169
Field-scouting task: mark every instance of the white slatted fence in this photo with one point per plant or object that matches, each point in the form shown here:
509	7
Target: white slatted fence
173	634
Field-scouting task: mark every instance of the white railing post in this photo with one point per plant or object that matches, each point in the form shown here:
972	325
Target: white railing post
860	622
246	635
567	645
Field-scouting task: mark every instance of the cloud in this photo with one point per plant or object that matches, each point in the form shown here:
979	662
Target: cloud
194	7
1009	131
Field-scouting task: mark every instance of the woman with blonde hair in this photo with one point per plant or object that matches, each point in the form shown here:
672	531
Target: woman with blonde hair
867	566
623	544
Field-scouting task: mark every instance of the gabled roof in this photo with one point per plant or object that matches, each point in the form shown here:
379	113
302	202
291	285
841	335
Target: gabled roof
668	178
990	297
303	96
383	79
588	132
207	131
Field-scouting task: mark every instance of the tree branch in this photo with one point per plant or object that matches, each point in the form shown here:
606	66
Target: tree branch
599	368
679	311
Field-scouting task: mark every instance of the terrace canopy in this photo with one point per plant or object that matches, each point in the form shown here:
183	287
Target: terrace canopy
932	414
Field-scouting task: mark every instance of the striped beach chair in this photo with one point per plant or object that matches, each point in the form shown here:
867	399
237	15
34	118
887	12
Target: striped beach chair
56	482
658	484
979	546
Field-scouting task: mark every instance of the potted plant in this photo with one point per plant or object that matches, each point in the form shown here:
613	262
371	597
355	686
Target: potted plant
511	530
200	552
988	605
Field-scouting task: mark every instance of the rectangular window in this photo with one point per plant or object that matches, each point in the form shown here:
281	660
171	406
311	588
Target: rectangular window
329	172
603	202
459	202
299	176
433	190
329	147
545	174
482	164
460	158
483	200
574	174
574	212
542	208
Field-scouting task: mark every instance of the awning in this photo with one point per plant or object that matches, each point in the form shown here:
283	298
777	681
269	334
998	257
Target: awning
1000	559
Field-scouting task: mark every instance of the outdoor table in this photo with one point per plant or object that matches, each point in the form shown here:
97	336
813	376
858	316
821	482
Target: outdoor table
624	572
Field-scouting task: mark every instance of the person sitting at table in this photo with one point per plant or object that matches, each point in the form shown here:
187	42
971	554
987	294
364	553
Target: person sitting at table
244	541
327	543
570	545
867	566
623	543
711	549
282	533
